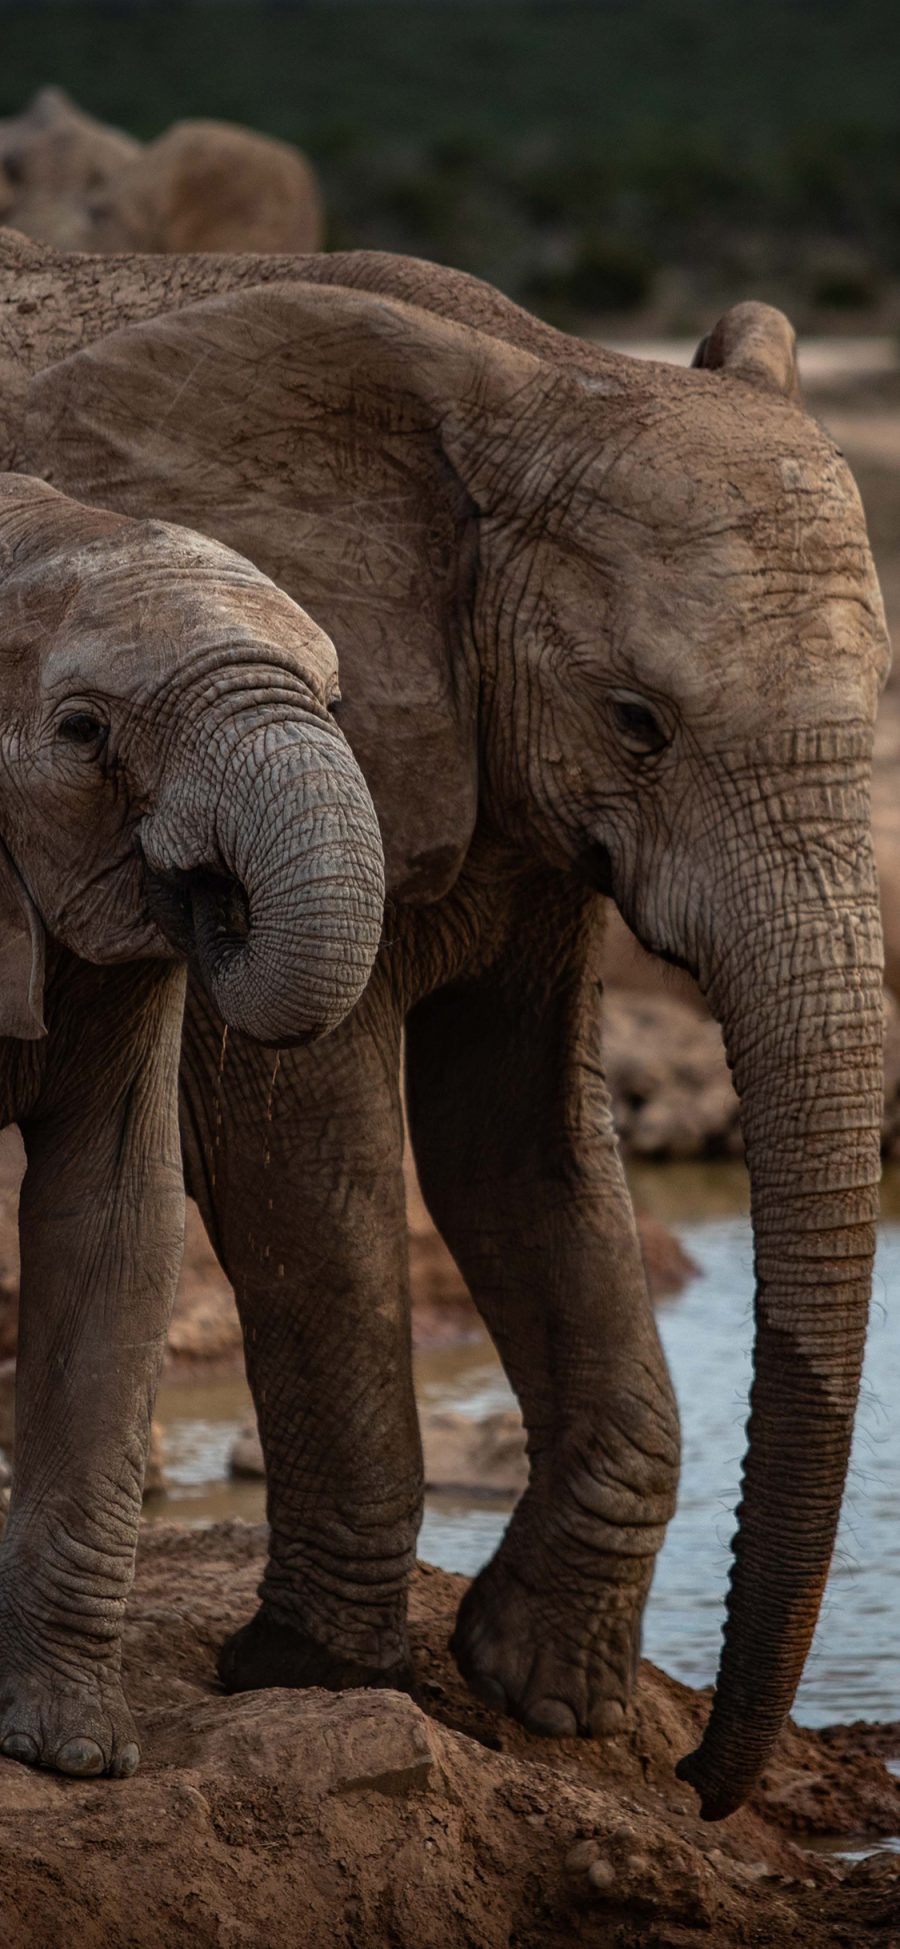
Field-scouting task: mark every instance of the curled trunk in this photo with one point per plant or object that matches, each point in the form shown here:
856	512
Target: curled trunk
280	913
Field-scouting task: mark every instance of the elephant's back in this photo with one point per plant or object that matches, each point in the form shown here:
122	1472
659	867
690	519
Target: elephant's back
53	303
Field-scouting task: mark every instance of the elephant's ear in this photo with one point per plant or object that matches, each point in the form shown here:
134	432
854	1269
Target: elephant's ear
21	957
333	437
756	343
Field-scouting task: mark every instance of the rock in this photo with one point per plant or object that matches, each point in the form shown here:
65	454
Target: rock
671	1090
319	1743
205	1324
628	965
483	1456
367	1819
155	1473
666	1263
475	1455
246	1457
71	181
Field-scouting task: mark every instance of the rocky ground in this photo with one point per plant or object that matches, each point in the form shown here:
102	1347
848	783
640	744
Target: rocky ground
368	1819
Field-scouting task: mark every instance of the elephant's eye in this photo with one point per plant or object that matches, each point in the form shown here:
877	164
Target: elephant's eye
638	724
81	727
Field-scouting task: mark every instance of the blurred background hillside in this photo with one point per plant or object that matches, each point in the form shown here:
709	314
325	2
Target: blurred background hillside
643	161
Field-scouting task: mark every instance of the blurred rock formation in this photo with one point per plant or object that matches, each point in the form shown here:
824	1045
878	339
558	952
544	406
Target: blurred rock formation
68	180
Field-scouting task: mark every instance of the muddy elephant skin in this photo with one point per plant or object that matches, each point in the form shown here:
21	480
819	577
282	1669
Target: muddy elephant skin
172	788
604	628
68	180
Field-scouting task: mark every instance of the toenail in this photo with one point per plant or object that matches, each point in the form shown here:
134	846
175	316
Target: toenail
489	1690
552	1718
20	1746
127	1761
608	1719
80	1756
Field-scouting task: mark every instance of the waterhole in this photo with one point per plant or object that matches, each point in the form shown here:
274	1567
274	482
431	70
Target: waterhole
854	1668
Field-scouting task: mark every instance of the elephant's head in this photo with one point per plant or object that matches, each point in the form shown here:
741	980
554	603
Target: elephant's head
171	779
630	614
684	653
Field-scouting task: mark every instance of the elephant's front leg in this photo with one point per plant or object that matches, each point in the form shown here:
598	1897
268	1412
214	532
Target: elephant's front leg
519	1166
298	1172
102	1228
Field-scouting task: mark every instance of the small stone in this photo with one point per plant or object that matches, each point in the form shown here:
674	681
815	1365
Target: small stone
580	1857
246	1458
601	1875
155	1472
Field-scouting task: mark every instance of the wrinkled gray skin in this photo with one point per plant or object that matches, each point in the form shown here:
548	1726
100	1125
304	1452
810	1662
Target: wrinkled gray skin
172	787
601	626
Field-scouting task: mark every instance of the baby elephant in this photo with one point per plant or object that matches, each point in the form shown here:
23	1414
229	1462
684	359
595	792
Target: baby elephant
172	789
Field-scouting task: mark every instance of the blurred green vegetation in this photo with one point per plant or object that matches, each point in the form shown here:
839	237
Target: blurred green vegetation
630	155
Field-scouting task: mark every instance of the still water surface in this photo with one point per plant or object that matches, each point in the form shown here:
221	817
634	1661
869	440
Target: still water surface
854	1668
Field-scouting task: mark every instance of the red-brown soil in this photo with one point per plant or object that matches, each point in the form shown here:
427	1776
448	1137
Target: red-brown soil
366	1820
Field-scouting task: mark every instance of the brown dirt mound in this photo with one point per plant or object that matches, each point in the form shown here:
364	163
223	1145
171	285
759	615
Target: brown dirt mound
367	1820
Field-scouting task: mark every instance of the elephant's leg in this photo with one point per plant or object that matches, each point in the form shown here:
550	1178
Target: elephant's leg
102	1228
296	1162
519	1166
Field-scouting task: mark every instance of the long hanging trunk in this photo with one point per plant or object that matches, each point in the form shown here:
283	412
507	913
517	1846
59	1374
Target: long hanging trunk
804	1028
281	909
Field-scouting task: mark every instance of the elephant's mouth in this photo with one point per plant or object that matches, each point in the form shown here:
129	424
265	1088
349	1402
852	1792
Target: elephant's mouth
203	914
594	866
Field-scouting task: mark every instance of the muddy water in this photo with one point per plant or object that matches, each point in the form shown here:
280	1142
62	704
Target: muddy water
854	1669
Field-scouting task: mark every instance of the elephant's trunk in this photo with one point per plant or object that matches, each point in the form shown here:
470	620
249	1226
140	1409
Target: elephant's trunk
280	912
800	998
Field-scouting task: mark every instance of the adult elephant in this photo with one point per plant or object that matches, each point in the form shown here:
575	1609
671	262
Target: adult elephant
69	180
603	628
172	787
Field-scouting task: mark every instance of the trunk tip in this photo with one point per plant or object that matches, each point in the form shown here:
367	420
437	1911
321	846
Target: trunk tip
716	1800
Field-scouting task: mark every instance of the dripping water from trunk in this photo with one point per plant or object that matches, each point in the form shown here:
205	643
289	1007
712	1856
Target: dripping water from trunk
217	1113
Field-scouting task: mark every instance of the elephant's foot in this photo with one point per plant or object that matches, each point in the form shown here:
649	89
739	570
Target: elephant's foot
556	1656
74	1722
268	1652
